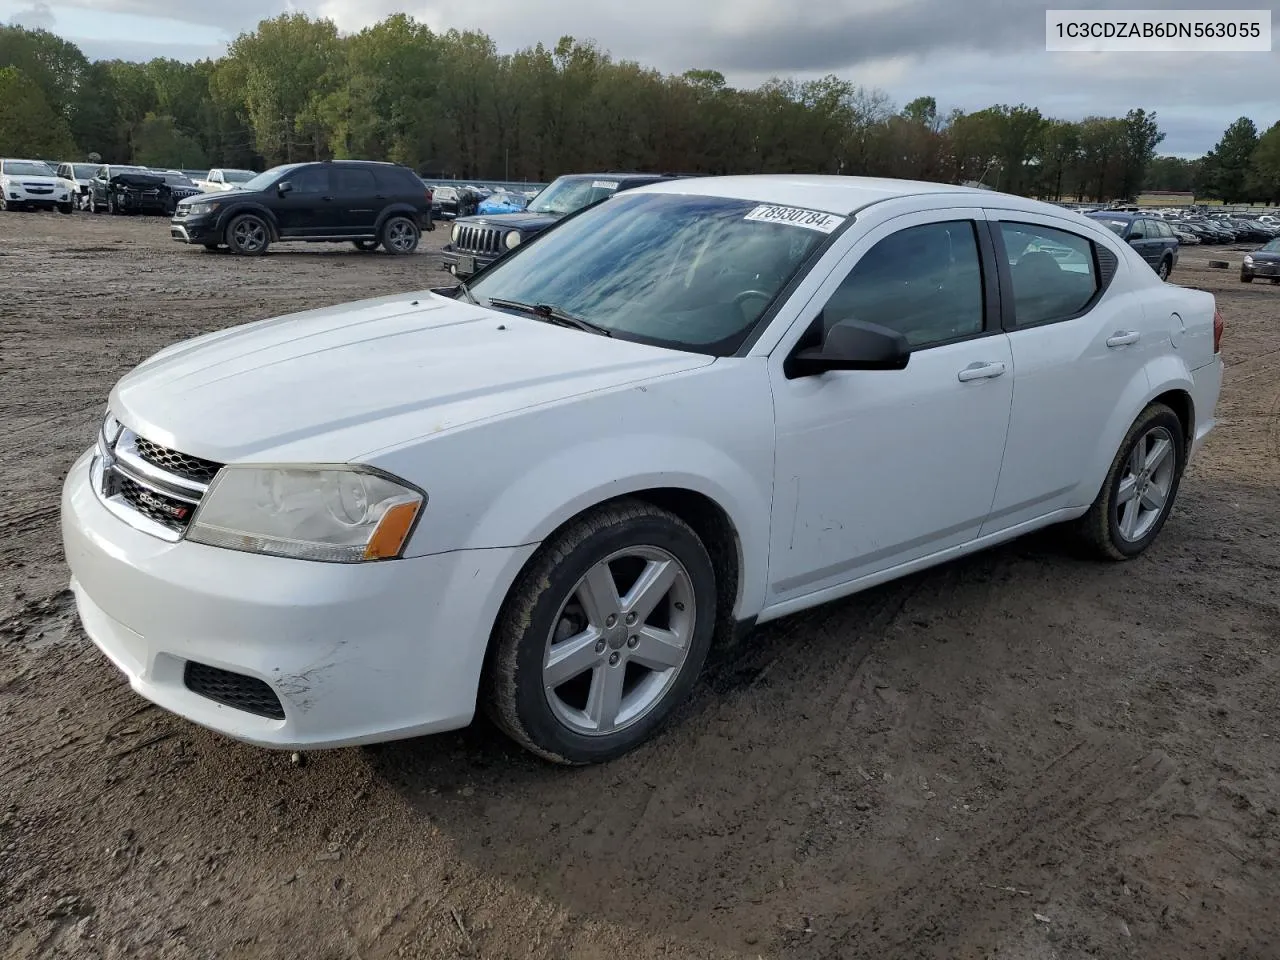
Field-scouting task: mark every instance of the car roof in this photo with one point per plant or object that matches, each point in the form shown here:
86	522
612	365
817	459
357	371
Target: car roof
833	194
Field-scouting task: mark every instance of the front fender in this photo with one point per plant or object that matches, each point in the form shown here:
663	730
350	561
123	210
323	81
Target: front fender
1159	376
261	210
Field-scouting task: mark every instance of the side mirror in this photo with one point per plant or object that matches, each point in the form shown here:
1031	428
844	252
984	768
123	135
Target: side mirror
852	345
283	187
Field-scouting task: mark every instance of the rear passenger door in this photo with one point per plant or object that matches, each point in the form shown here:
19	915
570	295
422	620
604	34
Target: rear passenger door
1075	351
356	200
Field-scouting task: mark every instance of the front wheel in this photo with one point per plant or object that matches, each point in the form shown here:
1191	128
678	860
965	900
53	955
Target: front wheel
65	208
603	634
248	235
1246	278
1140	487
399	235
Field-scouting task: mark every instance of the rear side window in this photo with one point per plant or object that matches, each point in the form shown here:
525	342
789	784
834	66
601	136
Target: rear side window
352	180
400	180
1054	272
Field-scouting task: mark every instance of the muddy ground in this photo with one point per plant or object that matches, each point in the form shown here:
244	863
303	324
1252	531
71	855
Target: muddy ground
1018	756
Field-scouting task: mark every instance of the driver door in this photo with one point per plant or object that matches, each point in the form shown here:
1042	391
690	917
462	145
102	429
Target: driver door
879	468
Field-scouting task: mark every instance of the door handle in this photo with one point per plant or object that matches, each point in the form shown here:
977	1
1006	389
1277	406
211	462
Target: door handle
1122	338
981	371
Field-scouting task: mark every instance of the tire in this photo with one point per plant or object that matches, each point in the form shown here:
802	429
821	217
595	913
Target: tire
1246	278
209	247
551	597
1102	528
112	209
367	246
399	235
1166	268
248	235
65	208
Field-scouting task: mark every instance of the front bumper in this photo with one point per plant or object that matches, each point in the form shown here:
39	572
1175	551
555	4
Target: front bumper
17	196
1260	269
462	263
201	229
353	653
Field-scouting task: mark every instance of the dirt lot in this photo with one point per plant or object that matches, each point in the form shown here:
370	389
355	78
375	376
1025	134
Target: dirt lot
1020	756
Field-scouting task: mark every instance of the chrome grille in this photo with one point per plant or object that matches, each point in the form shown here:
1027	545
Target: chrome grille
149	486
473	239
185	466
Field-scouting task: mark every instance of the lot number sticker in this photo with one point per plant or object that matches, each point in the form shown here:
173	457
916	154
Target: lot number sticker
796	217
604	185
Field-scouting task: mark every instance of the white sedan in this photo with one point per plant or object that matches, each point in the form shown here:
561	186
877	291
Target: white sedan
701	405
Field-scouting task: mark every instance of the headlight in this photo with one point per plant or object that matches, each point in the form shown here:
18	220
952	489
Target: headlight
1248	258
455	232
109	433
512	240
200	209
337	514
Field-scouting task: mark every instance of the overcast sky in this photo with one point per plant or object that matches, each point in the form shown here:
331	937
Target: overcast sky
967	53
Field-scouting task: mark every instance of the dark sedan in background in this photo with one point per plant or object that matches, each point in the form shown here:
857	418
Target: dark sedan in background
1263	263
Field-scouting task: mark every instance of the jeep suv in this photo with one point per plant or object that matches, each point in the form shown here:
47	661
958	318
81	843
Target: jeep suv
477	241
369	204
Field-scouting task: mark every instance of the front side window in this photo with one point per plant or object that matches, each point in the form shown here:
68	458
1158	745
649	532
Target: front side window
1054	276
925	282
688	272
310	180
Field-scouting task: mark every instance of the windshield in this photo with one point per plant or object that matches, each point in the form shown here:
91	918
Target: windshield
262	180
1272	246
1116	226
238	176
84	171
26	168
177	178
687	272
567	195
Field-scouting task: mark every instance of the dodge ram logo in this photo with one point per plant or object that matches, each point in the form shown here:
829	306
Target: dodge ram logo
169	509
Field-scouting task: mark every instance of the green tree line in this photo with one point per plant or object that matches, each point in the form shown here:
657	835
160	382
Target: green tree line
449	104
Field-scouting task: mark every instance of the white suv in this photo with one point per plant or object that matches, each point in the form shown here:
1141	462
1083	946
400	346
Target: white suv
33	184
702	404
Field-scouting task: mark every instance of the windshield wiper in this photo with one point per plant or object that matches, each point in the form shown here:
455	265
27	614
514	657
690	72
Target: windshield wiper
552	314
462	285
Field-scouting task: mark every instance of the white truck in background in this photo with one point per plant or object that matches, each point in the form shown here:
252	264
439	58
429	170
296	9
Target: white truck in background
222	178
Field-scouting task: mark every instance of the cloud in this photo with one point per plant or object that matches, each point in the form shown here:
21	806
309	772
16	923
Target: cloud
38	16
967	53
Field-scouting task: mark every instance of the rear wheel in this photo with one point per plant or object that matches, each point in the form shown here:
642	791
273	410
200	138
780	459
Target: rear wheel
248	235
1166	268
399	235
1140	487
603	634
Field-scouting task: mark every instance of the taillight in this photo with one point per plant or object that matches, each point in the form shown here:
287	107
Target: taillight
1217	330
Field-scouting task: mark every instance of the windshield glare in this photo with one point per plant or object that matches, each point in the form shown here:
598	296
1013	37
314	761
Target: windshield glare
28	168
565	196
687	272
262	180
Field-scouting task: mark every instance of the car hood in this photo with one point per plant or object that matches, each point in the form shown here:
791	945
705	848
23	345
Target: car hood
137	180
512	221
337	383
1264	256
44	179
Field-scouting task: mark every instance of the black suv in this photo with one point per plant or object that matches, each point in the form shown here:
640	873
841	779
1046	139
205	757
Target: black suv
478	241
368	203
